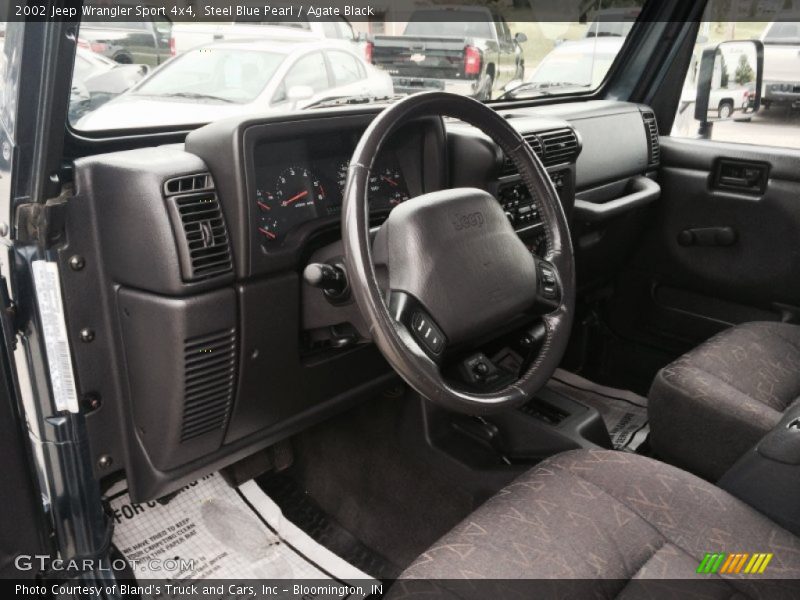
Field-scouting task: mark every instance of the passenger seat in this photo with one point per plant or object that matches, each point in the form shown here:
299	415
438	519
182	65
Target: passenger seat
714	403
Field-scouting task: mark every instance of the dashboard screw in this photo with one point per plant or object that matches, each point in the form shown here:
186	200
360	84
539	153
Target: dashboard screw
77	262
87	335
105	461
91	401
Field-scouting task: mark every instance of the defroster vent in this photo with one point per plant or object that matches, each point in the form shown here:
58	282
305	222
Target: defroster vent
209	377
203	244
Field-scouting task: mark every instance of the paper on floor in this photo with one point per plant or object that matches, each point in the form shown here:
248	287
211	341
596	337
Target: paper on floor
229	533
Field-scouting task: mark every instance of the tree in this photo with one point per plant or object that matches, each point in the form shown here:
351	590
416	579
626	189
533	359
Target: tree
744	72
723	71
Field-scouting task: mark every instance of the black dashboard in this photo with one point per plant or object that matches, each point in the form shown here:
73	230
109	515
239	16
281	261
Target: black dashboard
217	345
301	180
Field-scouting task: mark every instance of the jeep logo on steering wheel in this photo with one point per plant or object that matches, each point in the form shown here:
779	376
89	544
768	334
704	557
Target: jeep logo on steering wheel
467	221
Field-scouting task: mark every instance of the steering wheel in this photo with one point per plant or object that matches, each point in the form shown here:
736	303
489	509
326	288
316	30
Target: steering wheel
448	268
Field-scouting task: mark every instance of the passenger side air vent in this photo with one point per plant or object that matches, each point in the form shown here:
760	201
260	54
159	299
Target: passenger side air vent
509	168
209	375
653	147
199	225
559	147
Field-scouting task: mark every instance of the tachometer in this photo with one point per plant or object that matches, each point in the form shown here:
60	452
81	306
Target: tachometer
299	188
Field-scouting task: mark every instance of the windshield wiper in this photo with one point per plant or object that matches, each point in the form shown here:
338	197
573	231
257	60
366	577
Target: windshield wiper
354	99
192	96
543	89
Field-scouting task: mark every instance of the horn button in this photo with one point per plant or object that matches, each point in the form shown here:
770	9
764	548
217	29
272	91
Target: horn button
457	257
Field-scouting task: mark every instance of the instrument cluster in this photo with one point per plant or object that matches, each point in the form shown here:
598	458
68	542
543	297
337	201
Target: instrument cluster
298	181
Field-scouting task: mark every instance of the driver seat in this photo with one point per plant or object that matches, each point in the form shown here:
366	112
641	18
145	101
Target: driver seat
613	516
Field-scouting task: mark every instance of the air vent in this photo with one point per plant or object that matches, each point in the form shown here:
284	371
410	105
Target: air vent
553	147
509	168
199	225
559	147
209	375
190	183
653	147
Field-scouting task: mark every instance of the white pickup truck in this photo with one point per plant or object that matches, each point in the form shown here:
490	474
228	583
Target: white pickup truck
781	64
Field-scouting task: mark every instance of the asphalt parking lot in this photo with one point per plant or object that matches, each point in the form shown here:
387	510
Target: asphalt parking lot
777	126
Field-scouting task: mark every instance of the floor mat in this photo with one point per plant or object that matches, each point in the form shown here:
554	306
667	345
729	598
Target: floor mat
300	509
362	472
624	413
222	533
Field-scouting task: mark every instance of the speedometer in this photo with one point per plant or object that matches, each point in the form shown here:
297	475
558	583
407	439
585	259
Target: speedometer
387	186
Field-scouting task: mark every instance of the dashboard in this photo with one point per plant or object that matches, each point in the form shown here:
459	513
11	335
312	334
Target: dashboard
212	270
302	180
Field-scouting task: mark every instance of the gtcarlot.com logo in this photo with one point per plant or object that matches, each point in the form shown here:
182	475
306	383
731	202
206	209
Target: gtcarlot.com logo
724	563
44	562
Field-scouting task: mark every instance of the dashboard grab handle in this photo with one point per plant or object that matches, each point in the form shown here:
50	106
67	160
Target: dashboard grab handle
643	191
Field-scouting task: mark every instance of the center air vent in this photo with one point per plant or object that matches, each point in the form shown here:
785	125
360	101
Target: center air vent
209	373
559	147
553	148
651	130
203	245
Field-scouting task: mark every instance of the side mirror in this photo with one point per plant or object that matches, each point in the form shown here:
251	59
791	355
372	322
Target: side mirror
299	93
729	82
521	38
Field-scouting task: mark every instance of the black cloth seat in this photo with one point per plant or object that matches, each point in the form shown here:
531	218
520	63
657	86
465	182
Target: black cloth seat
714	403
619	517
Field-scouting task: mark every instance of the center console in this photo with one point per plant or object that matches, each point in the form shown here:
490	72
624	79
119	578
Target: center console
768	476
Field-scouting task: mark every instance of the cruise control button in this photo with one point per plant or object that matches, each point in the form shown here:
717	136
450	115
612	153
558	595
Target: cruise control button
427	333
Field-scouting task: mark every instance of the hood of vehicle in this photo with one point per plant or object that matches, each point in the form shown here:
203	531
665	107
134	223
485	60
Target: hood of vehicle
132	110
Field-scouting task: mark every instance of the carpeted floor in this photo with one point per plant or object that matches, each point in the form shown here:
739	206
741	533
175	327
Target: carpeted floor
624	413
357	470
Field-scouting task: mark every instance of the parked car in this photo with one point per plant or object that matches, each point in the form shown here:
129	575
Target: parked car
98	79
473	53
186	36
782	64
129	42
576	64
240	77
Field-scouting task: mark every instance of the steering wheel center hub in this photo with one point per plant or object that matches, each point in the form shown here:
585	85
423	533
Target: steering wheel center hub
455	252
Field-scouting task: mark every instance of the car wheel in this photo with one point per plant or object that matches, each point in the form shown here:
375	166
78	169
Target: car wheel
123	59
725	110
486	91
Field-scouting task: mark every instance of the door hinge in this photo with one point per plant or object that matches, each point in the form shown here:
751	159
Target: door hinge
43	224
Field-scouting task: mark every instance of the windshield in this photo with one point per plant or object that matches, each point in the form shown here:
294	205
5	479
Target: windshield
232	75
195	71
586	70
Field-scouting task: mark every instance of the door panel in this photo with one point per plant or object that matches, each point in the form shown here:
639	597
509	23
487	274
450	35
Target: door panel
716	254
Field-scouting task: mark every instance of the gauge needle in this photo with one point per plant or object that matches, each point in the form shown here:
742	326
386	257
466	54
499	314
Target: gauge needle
264	205
389	181
295	198
267	233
